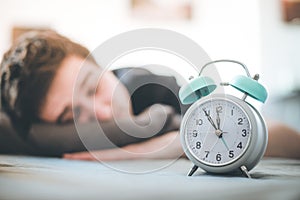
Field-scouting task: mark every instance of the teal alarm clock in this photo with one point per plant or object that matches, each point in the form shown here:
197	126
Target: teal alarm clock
222	133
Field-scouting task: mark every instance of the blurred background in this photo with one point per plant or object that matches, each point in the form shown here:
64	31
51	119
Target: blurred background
263	34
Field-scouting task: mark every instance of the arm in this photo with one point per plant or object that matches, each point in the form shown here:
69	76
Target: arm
166	146
283	141
54	140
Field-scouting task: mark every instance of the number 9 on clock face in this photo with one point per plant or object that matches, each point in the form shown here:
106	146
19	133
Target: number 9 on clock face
216	131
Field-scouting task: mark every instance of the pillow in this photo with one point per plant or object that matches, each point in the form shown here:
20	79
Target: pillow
10	141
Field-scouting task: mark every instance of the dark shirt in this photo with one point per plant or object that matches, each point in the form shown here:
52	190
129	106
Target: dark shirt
147	89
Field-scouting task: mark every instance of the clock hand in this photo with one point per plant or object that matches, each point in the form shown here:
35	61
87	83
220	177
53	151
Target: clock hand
218	118
223	140
219	133
209	119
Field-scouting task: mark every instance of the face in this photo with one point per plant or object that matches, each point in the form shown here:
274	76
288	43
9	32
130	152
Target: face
217	131
85	93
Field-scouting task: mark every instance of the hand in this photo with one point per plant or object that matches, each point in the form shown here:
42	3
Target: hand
166	146
284	141
210	119
223	140
218	116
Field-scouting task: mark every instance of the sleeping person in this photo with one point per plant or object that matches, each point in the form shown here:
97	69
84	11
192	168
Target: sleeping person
38	77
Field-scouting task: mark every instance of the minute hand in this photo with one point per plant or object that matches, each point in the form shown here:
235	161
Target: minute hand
210	119
218	119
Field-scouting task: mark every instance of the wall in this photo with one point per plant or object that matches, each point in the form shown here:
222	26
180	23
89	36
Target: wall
280	61
280	49
247	30
225	29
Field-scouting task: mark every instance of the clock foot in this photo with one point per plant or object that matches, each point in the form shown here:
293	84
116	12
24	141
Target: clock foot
245	171
193	170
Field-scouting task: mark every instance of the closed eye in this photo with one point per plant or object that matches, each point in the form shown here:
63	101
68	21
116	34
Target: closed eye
90	92
65	116
77	112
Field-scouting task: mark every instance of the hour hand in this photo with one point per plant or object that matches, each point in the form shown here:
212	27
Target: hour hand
210	119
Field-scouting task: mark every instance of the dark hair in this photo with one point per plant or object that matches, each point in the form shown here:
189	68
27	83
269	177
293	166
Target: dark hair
27	70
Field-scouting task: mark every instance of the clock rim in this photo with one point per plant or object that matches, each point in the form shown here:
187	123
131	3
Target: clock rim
257	125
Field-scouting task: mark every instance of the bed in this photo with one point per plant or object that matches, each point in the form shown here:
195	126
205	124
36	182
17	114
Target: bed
30	177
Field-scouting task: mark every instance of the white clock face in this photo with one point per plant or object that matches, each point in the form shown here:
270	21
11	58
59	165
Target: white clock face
217	132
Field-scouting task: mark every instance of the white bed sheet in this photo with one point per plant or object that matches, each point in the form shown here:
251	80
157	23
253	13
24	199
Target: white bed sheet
25	177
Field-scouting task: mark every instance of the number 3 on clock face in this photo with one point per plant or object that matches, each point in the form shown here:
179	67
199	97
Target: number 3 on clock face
216	131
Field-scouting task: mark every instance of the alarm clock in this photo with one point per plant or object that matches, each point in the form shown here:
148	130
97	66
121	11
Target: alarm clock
222	133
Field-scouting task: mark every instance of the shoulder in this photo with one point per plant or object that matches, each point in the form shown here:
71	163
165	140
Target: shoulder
130	72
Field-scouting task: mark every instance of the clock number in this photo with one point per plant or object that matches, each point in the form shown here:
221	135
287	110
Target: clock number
244	134
195	133
199	122
240	121
206	155
218	157
239	145
231	155
198	145
232	112
219	109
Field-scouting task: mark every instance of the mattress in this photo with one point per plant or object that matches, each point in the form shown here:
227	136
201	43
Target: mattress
26	177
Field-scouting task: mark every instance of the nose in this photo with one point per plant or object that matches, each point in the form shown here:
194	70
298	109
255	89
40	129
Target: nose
92	110
103	110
